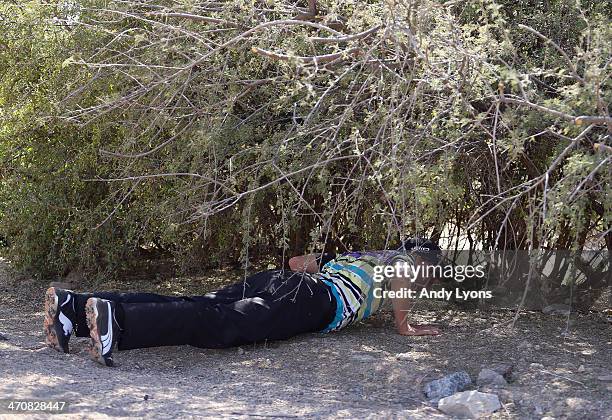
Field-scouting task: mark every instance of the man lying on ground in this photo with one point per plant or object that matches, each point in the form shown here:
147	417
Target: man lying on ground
269	305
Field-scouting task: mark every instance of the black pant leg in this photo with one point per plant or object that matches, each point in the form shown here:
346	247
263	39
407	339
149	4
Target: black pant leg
81	299
288	305
250	286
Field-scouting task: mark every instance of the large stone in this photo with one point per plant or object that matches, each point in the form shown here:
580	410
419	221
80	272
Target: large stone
447	385
469	404
490	377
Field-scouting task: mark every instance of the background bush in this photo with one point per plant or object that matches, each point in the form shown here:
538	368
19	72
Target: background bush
229	132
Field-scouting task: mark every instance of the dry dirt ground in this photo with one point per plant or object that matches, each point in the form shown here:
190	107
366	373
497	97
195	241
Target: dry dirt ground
353	373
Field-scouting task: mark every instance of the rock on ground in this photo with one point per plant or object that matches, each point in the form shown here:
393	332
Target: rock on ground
447	385
557	309
490	377
504	369
310	376
404	356
470	404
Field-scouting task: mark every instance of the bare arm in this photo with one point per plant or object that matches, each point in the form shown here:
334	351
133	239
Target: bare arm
403	306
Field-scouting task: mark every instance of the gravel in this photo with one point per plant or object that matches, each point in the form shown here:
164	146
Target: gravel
354	373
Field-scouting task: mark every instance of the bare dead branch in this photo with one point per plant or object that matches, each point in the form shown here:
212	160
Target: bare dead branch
317	59
348	38
582	119
196	18
558	48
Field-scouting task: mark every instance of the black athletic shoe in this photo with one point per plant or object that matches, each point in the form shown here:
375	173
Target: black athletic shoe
103	329
60	318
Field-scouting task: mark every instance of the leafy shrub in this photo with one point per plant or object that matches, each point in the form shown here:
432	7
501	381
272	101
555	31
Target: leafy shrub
249	130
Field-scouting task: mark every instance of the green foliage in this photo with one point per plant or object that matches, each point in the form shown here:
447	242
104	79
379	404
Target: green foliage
124	133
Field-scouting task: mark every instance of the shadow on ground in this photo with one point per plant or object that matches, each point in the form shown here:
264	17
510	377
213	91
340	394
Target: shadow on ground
354	373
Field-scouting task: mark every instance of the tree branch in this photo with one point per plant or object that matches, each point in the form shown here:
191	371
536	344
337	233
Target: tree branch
348	38
558	48
316	59
588	119
197	18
